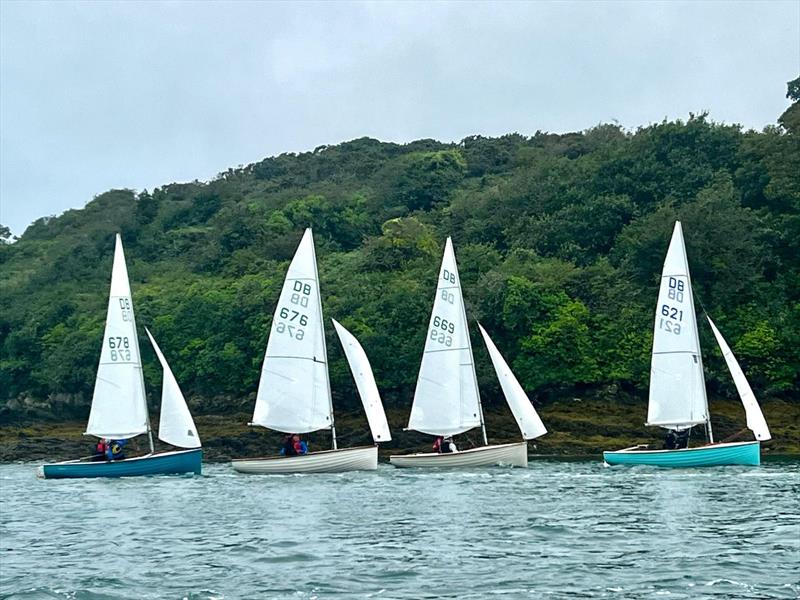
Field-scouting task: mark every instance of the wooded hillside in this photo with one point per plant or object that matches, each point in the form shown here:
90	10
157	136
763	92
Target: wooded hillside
560	241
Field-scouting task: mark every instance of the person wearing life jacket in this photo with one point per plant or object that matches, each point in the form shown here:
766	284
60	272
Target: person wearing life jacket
115	449
100	449
444	445
300	447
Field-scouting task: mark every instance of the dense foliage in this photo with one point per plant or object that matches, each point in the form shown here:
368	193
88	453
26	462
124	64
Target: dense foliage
560	241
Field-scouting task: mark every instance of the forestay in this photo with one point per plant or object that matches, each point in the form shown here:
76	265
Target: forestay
528	420
294	392
365	381
755	418
119	408
677	388
446	400
175	425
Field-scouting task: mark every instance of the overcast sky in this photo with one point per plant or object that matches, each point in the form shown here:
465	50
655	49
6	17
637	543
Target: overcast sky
100	95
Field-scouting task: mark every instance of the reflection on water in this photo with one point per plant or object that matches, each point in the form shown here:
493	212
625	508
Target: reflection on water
555	530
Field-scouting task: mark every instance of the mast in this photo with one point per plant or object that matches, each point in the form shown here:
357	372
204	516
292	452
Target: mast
141	376
709	432
325	353
474	374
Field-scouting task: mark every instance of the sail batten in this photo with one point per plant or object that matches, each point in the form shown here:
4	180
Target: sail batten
677	386
446	400
119	405
755	417
294	391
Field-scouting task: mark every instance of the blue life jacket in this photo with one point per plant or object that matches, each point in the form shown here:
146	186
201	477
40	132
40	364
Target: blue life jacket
114	450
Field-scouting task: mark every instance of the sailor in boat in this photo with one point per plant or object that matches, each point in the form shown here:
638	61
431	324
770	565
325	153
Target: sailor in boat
293	446
115	449
100	450
677	439
444	445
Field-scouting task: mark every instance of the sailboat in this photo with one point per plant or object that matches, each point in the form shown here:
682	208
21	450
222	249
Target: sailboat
119	405
446	400
294	392
677	387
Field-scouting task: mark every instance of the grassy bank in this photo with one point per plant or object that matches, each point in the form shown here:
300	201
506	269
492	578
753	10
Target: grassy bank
577	427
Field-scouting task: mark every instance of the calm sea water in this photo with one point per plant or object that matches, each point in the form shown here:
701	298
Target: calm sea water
555	530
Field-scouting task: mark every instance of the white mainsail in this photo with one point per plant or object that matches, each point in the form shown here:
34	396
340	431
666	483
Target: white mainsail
175	425
677	388
755	418
294	392
365	381
528	420
119	405
446	400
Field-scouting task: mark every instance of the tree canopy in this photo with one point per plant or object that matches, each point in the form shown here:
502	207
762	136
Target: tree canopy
560	241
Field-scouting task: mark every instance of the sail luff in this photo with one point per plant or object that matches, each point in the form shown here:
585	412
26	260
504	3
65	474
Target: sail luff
529	422
365	382
119	406
175	425
472	362
755	417
324	348
677	386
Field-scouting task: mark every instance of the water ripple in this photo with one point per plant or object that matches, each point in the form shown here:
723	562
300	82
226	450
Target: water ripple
556	530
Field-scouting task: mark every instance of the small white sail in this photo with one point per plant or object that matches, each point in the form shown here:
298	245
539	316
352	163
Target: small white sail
528	420
176	425
365	381
755	418
677	388
446	400
294	392
119	406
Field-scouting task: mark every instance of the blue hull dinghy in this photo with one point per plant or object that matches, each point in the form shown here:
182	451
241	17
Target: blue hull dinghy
119	405
166	463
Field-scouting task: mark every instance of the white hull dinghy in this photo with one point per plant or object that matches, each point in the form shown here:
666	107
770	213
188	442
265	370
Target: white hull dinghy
294	392
677	384
446	401
325	461
512	455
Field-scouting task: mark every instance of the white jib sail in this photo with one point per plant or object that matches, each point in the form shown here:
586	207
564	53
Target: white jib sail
446	399
677	387
294	392
176	425
755	418
365	381
119	406
528	420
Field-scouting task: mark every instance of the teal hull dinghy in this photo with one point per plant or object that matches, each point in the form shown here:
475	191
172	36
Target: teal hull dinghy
167	463
737	453
119	405
677	385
